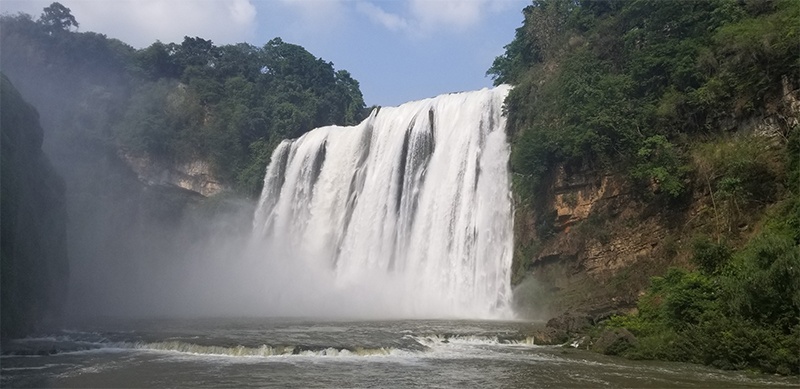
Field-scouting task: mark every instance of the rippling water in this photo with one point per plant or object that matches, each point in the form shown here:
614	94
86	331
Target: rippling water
313	353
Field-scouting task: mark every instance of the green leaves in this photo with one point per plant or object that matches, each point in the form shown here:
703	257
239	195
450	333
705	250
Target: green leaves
661	163
229	104
742	309
710	257
755	53
57	18
745	316
622	83
765	284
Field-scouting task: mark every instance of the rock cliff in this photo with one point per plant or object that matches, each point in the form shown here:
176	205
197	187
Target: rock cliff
34	236
590	244
196	175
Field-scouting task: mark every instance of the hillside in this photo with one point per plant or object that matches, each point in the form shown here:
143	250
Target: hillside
660	139
175	103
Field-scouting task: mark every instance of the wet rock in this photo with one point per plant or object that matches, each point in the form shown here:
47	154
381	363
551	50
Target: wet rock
547	336
614	341
570	323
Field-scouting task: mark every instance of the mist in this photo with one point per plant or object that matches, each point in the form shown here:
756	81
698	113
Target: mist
134	249
143	250
212	265
376	241
139	250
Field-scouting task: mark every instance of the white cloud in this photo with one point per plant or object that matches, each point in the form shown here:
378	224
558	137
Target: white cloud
142	22
378	15
423	17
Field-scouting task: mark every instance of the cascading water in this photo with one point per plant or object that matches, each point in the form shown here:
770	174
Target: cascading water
409	210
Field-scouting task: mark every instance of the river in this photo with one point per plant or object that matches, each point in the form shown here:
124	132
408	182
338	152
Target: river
284	353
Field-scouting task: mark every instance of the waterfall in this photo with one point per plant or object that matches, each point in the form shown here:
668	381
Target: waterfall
409	209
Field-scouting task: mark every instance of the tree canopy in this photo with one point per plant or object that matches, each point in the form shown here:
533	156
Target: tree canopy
228	104
57	17
603	82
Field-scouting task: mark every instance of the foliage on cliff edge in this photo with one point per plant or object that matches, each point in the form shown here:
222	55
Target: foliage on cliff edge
658	90
229	104
739	308
627	84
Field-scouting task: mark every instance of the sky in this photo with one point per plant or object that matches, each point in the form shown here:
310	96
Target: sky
398	50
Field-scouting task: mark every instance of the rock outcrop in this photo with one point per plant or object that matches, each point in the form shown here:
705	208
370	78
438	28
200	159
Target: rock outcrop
34	264
195	175
594	245
591	242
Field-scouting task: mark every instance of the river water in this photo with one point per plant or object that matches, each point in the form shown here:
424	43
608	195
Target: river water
322	353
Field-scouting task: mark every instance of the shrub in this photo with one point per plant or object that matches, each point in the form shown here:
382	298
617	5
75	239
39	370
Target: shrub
710	257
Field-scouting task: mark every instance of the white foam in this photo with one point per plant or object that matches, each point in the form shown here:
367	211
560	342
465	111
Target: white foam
407	214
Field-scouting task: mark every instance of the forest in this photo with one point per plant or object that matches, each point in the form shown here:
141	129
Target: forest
657	92
229	105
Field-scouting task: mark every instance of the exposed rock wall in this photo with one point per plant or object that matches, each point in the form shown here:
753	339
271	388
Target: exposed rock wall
195	175
593	245
34	266
593	240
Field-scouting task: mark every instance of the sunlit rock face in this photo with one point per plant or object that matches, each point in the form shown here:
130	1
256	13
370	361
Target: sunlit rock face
406	214
194	175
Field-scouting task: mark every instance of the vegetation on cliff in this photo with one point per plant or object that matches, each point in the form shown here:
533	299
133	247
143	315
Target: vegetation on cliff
738	308
664	93
229	105
610	82
34	247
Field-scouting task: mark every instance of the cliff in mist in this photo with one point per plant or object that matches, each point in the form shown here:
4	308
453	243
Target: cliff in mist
161	149
34	265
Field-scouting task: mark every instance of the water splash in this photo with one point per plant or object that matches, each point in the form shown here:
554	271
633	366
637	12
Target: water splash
410	209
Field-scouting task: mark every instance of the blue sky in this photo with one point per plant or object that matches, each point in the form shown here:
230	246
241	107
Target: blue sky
399	50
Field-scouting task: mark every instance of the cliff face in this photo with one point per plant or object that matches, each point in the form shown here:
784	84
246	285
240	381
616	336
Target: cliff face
196	175
591	243
130	221
34	265
594	246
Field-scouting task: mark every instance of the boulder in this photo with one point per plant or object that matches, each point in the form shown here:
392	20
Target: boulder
614	341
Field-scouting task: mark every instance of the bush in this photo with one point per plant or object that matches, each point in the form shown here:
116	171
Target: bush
710	257
745	314
764	286
660	162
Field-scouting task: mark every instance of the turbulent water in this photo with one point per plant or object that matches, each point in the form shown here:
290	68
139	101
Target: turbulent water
409	211
285	353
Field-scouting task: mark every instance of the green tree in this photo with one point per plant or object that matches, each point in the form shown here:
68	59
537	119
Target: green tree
57	18
194	100
158	61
